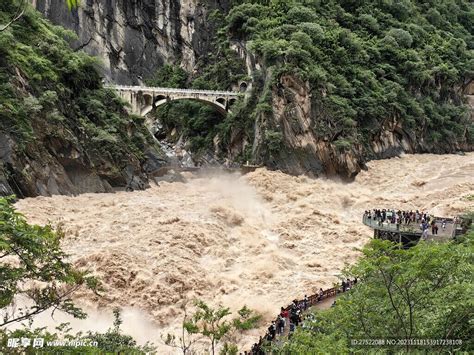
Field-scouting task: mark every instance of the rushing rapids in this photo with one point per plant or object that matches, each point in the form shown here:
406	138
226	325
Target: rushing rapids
260	239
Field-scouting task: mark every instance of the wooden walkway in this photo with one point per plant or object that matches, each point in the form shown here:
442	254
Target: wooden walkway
324	304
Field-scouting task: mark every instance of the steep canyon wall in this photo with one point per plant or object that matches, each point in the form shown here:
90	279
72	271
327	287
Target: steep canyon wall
61	132
134	38
305	149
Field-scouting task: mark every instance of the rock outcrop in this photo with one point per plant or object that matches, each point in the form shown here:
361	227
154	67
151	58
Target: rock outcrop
133	38
305	150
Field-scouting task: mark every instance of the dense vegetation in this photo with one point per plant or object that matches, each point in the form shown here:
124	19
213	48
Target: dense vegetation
367	64
368	61
52	98
215	326
421	293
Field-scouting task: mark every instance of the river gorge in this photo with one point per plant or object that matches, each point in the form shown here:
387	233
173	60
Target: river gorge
226	151
260	239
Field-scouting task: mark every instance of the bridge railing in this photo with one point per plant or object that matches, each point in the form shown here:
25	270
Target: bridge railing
172	90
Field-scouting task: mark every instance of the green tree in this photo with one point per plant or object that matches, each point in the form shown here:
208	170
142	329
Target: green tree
169	76
114	341
110	342
189	335
274	140
18	13
363	62
33	269
62	100
21	8
247	319
421	293
213	324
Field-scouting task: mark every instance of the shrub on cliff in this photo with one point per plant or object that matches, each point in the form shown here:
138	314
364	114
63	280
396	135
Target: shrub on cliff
369	61
366	65
54	108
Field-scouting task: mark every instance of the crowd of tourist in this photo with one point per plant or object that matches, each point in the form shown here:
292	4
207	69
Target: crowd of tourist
421	218
293	316
397	217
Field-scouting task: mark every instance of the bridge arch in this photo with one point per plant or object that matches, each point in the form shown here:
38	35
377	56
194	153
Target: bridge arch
143	99
221	104
147	103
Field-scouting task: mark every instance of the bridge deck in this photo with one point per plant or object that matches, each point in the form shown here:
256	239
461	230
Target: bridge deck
137	88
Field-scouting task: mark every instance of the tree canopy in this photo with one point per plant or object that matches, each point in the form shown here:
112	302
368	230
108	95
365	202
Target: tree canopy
214	325
367	64
34	270
424	292
368	61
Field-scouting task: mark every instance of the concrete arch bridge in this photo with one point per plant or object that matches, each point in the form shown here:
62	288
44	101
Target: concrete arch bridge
143	99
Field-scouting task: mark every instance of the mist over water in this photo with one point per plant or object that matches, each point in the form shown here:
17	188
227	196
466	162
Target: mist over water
261	239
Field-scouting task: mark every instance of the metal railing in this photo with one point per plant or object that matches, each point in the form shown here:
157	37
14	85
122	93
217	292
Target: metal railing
172	90
311	301
412	227
392	227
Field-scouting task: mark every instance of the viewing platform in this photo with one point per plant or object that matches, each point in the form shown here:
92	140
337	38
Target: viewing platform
409	234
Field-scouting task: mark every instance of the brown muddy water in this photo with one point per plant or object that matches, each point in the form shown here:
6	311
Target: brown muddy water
261	239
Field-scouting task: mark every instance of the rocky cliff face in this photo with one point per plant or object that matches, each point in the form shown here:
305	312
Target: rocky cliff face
61	132
304	150
134	38
63	165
